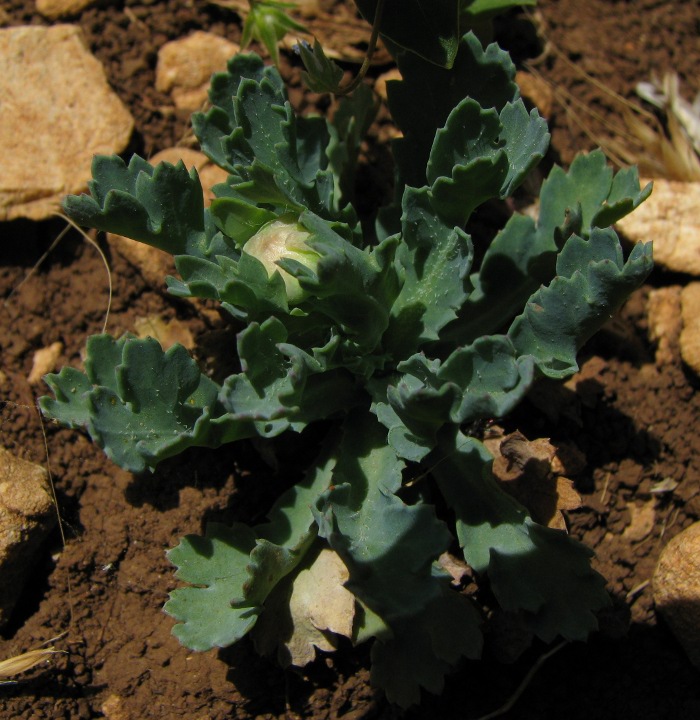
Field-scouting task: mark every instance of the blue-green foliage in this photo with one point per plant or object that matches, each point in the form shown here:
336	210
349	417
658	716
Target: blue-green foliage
400	344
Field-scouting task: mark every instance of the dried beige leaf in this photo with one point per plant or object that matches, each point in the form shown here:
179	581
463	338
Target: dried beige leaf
531	471
320	604
309	615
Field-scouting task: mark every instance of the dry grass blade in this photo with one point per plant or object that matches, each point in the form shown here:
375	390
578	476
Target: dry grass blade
658	149
26	661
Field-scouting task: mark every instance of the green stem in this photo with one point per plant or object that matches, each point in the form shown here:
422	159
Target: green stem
354	83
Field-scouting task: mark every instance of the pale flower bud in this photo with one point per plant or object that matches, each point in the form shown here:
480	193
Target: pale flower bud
280	239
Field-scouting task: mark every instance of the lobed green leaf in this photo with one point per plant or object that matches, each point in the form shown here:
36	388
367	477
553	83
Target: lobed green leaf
485	76
232	570
138	403
523	256
592	282
540	572
162	206
390	550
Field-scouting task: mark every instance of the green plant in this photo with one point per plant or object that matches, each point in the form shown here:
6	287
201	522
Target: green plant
266	21
394	339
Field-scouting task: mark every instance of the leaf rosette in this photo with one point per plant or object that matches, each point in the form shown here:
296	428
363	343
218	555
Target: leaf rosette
395	339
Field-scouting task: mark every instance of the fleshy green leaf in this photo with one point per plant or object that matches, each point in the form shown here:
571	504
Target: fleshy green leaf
274	157
281	386
435	260
523	255
423	650
267	22
542	572
161	206
422	101
480	154
483	380
591	284
140	404
232	570
603	199
215	566
390	549
351	287
322	74
351	121
242	286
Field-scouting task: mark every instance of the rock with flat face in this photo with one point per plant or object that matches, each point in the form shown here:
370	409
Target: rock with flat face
61	8
185	67
671	218
27	515
677	589
56	112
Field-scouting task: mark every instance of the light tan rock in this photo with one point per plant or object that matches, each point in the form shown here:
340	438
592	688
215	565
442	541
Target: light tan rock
57	111
45	361
676	586
665	324
642	519
185	67
54	9
155	264
113	709
690	334
671	218
166	332
27	515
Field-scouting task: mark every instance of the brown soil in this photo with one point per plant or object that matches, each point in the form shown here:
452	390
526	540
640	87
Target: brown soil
105	586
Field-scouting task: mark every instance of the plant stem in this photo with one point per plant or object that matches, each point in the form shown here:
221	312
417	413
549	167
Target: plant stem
353	84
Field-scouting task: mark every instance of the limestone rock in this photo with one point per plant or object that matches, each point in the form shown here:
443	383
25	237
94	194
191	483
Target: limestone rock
27	515
57	111
671	218
185	67
53	9
664	317
155	264
690	334
677	589
45	361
